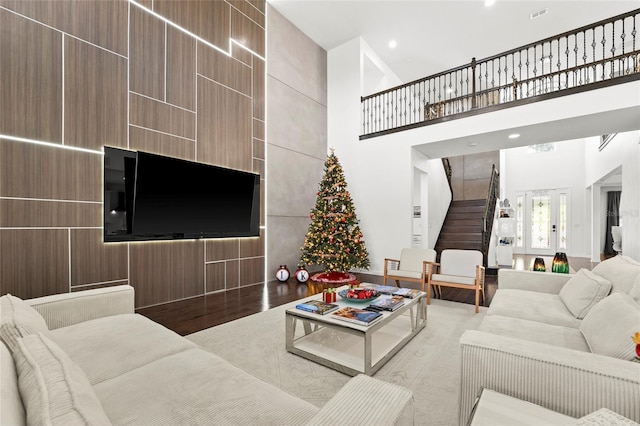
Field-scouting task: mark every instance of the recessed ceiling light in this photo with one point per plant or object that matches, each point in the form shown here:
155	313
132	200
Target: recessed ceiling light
514	135
393	44
489	3
472	144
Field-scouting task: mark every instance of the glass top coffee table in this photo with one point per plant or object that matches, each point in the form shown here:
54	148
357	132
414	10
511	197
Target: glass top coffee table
352	348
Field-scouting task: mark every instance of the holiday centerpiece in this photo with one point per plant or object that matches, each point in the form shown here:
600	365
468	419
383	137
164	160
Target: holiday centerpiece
334	239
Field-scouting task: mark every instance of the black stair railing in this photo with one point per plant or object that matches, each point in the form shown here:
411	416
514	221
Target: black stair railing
594	56
489	211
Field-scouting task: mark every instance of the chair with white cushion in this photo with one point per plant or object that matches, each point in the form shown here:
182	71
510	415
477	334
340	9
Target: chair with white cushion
412	266
459	269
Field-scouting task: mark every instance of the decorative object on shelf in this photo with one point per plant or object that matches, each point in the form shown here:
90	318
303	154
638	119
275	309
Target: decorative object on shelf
329	295
334	238
636	340
560	263
283	274
302	275
538	265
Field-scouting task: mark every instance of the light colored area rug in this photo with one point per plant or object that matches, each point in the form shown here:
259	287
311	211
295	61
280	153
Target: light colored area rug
429	364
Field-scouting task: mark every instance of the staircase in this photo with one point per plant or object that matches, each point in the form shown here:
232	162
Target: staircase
462	227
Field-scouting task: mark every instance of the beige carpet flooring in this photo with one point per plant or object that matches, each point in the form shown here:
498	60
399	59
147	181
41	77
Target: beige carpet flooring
429	364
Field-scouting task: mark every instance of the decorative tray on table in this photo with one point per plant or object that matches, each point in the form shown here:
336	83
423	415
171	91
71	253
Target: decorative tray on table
358	295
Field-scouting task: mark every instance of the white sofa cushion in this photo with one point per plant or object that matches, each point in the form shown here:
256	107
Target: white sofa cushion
54	390
111	346
18	319
197	387
470	281
608	327
583	291
635	291
533	331
531	305
622	271
11	409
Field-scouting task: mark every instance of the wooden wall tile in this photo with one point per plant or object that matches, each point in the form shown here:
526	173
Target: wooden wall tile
36	171
258	148
259	167
249	10
247	32
258	129
251	271
223	69
95	96
222	248
145	112
34	213
224	132
159	143
206	19
181	69
166	271
241	54
102	285
146	54
252	247
259	72
103	23
34	263
232	274
30	78
93	261
216	276
259	4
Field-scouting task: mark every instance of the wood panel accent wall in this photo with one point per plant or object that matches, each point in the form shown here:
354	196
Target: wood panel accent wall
81	75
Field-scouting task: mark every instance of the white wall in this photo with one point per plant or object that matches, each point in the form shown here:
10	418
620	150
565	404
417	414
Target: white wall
563	168
630	198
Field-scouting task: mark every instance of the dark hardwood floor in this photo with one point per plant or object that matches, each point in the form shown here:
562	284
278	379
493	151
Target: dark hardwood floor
191	315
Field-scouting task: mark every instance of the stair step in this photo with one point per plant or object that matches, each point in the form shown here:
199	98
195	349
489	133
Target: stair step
467	209
463	222
478	202
476	216
462	228
460	236
458	245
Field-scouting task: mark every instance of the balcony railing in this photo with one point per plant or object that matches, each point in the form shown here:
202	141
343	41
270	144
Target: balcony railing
597	55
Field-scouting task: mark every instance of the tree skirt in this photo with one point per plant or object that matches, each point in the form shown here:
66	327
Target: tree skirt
333	277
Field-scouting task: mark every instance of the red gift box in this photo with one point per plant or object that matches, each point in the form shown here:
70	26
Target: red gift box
329	295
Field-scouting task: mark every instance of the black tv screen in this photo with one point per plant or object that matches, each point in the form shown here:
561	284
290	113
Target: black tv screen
160	197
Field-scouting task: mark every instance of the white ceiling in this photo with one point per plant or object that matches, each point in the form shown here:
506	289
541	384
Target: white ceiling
434	36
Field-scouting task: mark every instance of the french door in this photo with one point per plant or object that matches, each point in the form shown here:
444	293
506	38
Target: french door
541	221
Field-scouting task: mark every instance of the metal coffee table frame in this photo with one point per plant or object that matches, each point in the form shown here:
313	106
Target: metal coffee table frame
352	348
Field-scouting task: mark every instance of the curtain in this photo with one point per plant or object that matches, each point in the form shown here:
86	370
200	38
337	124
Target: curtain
613	219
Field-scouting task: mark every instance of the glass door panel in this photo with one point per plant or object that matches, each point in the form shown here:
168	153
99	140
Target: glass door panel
541	226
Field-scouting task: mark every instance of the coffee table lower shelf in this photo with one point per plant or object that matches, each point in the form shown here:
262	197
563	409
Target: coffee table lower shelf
353	349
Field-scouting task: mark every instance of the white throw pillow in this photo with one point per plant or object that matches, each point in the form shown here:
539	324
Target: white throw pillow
609	326
583	291
18	319
622	271
54	390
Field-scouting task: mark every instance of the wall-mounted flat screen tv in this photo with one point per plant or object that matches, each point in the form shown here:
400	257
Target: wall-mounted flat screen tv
153	197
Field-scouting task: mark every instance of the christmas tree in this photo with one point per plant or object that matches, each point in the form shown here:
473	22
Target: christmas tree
334	239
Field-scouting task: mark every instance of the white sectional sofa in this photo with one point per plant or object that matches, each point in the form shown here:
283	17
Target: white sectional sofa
86	358
562	341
